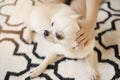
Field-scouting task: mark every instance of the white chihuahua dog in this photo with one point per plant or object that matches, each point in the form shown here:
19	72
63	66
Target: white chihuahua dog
57	22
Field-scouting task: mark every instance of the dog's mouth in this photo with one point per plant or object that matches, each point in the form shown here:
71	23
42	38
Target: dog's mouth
47	35
50	39
53	37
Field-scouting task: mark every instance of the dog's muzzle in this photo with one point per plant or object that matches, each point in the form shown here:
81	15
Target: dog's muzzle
46	33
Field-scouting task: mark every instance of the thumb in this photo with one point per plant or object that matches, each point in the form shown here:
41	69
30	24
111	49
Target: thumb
79	22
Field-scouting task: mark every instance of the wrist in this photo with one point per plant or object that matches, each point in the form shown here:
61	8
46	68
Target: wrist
91	23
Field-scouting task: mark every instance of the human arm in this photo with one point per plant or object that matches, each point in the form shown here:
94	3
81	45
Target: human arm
90	10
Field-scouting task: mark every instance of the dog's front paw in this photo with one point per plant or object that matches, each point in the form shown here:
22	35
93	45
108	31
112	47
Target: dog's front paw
37	71
28	39
93	75
27	36
34	74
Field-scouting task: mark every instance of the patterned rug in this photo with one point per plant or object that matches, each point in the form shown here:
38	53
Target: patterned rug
17	58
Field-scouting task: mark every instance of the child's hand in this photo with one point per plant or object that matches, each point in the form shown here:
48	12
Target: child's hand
86	32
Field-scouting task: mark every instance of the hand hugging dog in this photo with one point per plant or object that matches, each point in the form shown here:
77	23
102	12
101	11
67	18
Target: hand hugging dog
57	22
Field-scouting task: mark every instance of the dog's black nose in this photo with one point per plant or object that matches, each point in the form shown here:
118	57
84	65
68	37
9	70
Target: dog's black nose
46	33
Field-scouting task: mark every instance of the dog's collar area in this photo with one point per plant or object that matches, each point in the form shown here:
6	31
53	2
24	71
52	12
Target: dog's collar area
73	47
76	47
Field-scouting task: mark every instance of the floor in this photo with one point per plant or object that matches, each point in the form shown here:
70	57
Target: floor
18	58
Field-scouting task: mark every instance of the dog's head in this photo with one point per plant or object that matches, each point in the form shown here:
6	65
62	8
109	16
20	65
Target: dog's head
63	31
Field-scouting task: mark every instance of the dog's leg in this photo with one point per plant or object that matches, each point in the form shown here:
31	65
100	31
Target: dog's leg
41	68
91	61
27	35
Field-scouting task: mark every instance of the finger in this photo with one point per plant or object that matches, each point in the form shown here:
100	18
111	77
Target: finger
80	32
81	46
79	23
91	37
87	42
84	42
81	37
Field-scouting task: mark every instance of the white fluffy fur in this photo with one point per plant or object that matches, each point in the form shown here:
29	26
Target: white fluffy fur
40	19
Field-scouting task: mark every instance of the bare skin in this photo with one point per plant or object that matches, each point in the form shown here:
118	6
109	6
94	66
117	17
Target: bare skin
89	10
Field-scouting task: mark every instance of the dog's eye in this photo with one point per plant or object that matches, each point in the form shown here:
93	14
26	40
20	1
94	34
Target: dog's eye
52	24
60	37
